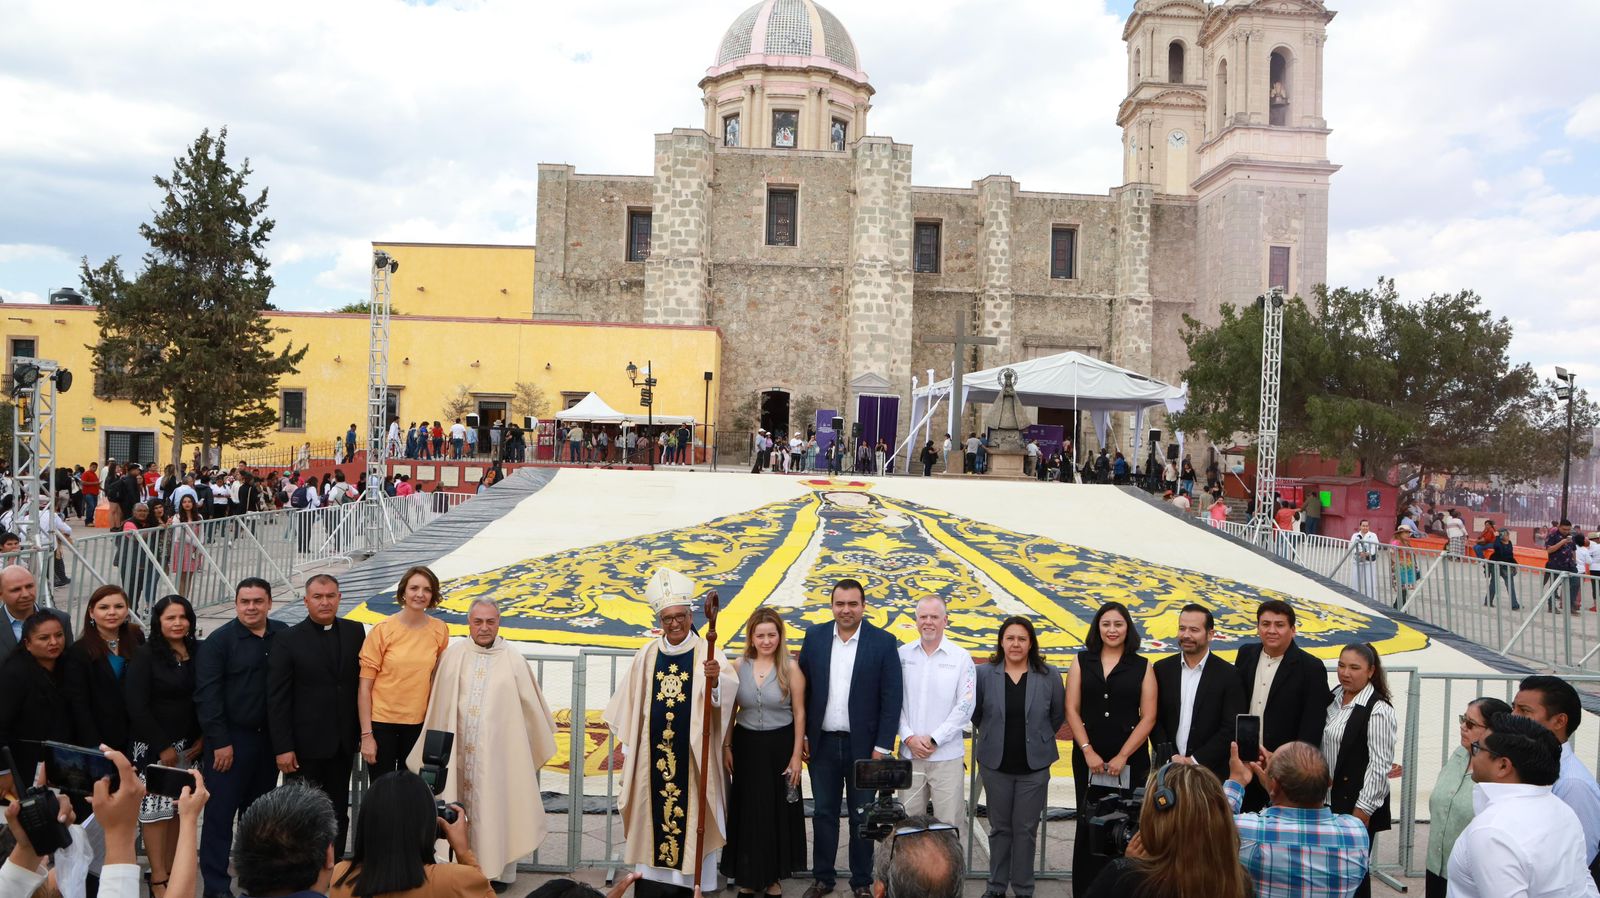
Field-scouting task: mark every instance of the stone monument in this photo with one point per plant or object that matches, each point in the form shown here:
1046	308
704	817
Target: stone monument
1006	450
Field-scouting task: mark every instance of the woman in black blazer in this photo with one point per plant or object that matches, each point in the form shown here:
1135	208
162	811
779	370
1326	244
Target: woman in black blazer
33	706
164	727
1021	704
95	668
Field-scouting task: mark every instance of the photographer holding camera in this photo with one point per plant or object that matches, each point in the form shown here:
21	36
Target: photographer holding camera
1298	846
393	849
1186	847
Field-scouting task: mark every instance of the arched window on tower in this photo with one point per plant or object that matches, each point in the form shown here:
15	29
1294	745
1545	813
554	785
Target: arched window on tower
1222	95
1175	62
1137	75
1278	97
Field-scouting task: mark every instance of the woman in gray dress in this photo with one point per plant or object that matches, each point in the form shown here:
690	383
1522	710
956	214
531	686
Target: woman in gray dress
766	821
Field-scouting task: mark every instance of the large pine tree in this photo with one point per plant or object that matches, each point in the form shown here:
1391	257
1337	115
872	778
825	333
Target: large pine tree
187	337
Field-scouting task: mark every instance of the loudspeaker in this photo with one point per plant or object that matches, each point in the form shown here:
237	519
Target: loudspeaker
838	424
472	421
855	432
528	422
1172	452
1155	437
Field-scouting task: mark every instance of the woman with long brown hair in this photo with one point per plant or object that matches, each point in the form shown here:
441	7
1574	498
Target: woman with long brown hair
164	724
766	822
95	666
1189	849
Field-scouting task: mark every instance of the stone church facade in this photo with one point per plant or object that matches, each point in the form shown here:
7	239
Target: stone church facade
784	223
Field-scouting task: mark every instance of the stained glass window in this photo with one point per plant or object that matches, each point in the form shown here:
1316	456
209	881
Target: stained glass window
1278	268
838	133
638	236
730	130
785	127
927	247
781	206
1063	246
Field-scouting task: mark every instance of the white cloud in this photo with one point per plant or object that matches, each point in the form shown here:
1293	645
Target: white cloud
19	296
371	120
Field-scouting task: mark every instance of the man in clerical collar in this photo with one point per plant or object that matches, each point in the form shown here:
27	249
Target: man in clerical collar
484	692
657	715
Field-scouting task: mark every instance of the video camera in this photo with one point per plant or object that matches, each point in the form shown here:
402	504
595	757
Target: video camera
1115	822
37	811
435	771
884	777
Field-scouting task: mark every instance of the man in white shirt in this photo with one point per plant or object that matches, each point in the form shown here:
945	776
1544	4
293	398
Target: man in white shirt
458	438
1364	545
186	488
1523	840
940	691
1553	703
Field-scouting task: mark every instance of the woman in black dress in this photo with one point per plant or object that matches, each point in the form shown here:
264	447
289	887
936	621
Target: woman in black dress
96	666
159	687
33	704
1111	707
766	824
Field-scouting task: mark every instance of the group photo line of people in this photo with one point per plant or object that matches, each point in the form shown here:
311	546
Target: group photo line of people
713	751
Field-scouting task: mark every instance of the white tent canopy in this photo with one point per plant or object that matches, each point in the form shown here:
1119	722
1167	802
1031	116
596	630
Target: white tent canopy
591	409
1068	380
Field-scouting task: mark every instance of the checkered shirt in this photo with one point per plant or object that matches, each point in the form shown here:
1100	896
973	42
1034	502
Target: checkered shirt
1300	852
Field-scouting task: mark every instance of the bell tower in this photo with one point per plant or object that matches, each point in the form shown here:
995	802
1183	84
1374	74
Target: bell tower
1163	116
1263	170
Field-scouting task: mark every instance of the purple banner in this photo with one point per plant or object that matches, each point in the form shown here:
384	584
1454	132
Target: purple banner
1049	437
825	435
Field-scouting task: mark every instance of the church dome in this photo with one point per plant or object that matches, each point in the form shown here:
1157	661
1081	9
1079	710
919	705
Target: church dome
788	33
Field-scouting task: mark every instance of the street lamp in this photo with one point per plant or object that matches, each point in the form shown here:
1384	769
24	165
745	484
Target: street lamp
1566	391
647	400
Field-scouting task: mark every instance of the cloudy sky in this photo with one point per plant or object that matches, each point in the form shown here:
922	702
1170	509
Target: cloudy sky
1469	133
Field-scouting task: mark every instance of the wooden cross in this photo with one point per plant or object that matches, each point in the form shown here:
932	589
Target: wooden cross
960	340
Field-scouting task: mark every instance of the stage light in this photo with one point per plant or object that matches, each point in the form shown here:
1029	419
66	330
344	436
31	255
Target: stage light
63	380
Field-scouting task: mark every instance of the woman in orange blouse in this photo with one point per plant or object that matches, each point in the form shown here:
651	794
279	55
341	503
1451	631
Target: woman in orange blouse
397	664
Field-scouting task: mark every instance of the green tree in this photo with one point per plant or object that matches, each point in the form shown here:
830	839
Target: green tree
186	337
364	307
1378	383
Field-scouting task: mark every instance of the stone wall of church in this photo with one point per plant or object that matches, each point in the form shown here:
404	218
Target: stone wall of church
675	274
1173	284
781	309
878	306
1238	222
582	271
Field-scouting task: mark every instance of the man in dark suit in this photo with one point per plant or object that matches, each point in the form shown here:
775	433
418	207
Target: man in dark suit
853	698
312	676
1283	684
19	594
1198	697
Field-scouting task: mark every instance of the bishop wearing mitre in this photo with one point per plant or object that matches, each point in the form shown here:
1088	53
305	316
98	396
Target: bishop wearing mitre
658	716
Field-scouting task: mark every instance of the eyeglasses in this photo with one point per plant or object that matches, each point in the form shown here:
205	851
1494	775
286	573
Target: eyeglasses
674	618
1470	723
1476	747
918	830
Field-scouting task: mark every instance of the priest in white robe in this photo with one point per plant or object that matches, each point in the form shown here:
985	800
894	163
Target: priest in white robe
657	714
485	693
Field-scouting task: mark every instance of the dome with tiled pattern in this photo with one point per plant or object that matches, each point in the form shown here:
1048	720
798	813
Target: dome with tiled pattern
790	33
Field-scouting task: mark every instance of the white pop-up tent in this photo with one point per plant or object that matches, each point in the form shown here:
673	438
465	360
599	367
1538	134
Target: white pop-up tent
592	409
1068	380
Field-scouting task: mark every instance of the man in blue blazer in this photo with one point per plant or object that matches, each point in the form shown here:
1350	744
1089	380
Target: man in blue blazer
853	697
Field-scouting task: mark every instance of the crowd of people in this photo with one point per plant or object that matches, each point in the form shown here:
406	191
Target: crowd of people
454	732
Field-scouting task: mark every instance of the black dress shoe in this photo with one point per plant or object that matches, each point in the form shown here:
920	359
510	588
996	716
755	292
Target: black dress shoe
817	890
498	886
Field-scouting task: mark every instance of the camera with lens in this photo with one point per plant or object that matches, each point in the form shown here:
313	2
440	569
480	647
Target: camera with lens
884	777
435	771
37	813
1115	822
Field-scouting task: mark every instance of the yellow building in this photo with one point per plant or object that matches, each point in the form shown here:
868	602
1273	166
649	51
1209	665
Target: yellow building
465	329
